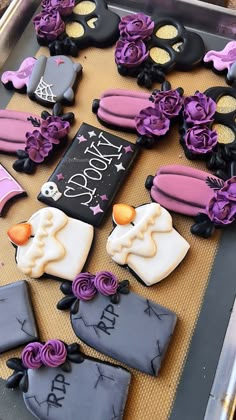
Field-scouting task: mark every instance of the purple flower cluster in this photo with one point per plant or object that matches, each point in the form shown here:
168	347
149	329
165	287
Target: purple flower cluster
49	23
40	142
222	207
86	285
131	50
53	353
199	112
155	121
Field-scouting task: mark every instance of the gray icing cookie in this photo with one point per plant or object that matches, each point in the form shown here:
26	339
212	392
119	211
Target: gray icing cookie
52	80
81	389
126	326
17	323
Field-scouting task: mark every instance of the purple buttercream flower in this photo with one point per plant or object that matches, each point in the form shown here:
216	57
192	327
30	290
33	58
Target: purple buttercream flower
83	286
200	139
136	26
150	121
54	128
220	210
31	356
53	353
169	102
229	189
106	283
37	146
64	7
130	54
199	109
48	25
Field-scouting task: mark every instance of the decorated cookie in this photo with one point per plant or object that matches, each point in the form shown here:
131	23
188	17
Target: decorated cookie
150	116
51	243
148	48
119	323
69	25
89	175
49	134
59	382
9	188
224	61
192	192
208	131
145	242
19	79
17	323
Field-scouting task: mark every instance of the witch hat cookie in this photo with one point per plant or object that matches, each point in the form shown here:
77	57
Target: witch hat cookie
59	382
51	243
146	243
117	322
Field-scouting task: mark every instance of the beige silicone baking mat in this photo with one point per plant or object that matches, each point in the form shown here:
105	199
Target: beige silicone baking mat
183	291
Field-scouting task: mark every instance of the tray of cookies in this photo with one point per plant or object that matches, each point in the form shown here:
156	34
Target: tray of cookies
117	205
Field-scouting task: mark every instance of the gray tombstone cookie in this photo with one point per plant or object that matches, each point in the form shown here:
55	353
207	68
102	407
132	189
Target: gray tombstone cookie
81	388
17	322
125	326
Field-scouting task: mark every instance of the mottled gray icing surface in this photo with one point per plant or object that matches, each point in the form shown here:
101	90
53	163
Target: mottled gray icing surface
91	391
17	323
136	331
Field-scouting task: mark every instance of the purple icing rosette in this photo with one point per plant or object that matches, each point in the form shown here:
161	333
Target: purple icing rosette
64	7
136	27
83	286
200	139
229	189
151	122
31	355
199	109
53	353
106	283
221	210
130	54
54	128
48	25
37	146
169	103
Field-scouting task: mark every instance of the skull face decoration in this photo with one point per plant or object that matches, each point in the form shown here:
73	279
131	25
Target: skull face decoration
50	189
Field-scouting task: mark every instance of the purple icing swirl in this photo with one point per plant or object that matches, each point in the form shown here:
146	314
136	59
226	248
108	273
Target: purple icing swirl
31	355
83	286
199	109
54	128
151	122
53	353
220	210
229	189
48	25
130	54
64	7
106	283
169	102
136	27
200	139
37	146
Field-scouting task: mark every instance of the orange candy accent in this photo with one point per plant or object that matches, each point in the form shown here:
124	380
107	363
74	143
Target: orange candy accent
123	214
20	234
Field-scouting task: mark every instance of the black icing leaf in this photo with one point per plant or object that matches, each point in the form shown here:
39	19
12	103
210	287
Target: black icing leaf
66	287
75	307
180	90
124	287
115	298
165	86
66	303
201	217
57	109
14	380
66	367
68	116
203	229
75	358
15	364
73	348
45	115
34	121
22	154
215	184
24	383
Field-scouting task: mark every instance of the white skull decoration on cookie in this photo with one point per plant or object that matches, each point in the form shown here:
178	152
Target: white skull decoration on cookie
50	189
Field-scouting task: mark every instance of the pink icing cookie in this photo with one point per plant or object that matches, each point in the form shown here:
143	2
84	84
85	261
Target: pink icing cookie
19	79
9	188
13	127
222	59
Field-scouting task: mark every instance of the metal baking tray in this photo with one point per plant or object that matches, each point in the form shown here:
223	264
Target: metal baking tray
203	393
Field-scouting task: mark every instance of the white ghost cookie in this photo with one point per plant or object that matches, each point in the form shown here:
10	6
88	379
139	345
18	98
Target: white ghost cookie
145	241
51	243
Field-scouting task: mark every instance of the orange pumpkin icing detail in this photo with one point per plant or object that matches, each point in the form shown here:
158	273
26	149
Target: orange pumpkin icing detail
19	234
123	214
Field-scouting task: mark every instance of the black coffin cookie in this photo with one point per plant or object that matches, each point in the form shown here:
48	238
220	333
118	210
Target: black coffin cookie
17	323
126	327
89	175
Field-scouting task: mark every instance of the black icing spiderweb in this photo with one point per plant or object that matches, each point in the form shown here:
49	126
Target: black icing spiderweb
44	91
